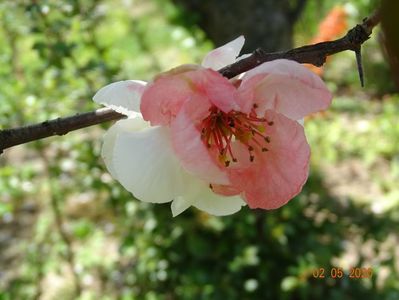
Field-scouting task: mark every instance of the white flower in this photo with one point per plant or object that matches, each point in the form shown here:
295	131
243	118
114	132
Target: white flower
141	156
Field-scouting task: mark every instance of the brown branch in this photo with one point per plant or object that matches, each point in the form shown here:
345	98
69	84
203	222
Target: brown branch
312	54
60	126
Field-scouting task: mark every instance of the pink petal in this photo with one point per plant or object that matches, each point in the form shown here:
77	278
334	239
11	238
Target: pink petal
277	175
163	99
225	190
224	55
220	91
194	156
286	87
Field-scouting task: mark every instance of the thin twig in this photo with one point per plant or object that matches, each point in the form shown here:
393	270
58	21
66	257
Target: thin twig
59	126
312	54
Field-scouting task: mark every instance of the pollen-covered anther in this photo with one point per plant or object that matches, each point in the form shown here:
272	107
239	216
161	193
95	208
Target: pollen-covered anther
219	130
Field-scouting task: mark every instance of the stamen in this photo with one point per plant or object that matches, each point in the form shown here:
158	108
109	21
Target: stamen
219	130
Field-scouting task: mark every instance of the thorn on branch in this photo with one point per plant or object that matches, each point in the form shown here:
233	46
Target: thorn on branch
358	53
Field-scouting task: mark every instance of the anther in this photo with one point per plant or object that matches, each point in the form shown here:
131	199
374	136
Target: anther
220	130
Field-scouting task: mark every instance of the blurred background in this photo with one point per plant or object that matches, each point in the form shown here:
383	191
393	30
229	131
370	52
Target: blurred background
69	231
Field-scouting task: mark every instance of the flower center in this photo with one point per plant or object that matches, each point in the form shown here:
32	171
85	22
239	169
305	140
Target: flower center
220	129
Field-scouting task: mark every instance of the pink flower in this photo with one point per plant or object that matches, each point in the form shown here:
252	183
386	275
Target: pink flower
213	142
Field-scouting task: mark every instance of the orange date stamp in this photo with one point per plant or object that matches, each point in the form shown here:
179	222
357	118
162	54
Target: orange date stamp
337	273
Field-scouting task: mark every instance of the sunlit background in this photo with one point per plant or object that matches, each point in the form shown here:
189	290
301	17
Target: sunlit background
69	231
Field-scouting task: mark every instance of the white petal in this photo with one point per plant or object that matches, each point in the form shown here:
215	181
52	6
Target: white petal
218	205
109	139
179	205
224	55
203	198
301	121
146	166
122	96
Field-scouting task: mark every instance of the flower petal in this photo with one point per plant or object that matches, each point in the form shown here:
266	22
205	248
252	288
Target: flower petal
189	147
286	87
220	91
163	99
277	175
225	190
201	196
146	166
215	204
125	125
224	55
122	96
179	205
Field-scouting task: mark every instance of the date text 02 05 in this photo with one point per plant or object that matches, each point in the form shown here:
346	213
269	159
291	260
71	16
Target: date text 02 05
335	272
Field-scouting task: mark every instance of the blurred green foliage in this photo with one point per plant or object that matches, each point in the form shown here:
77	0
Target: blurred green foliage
69	231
